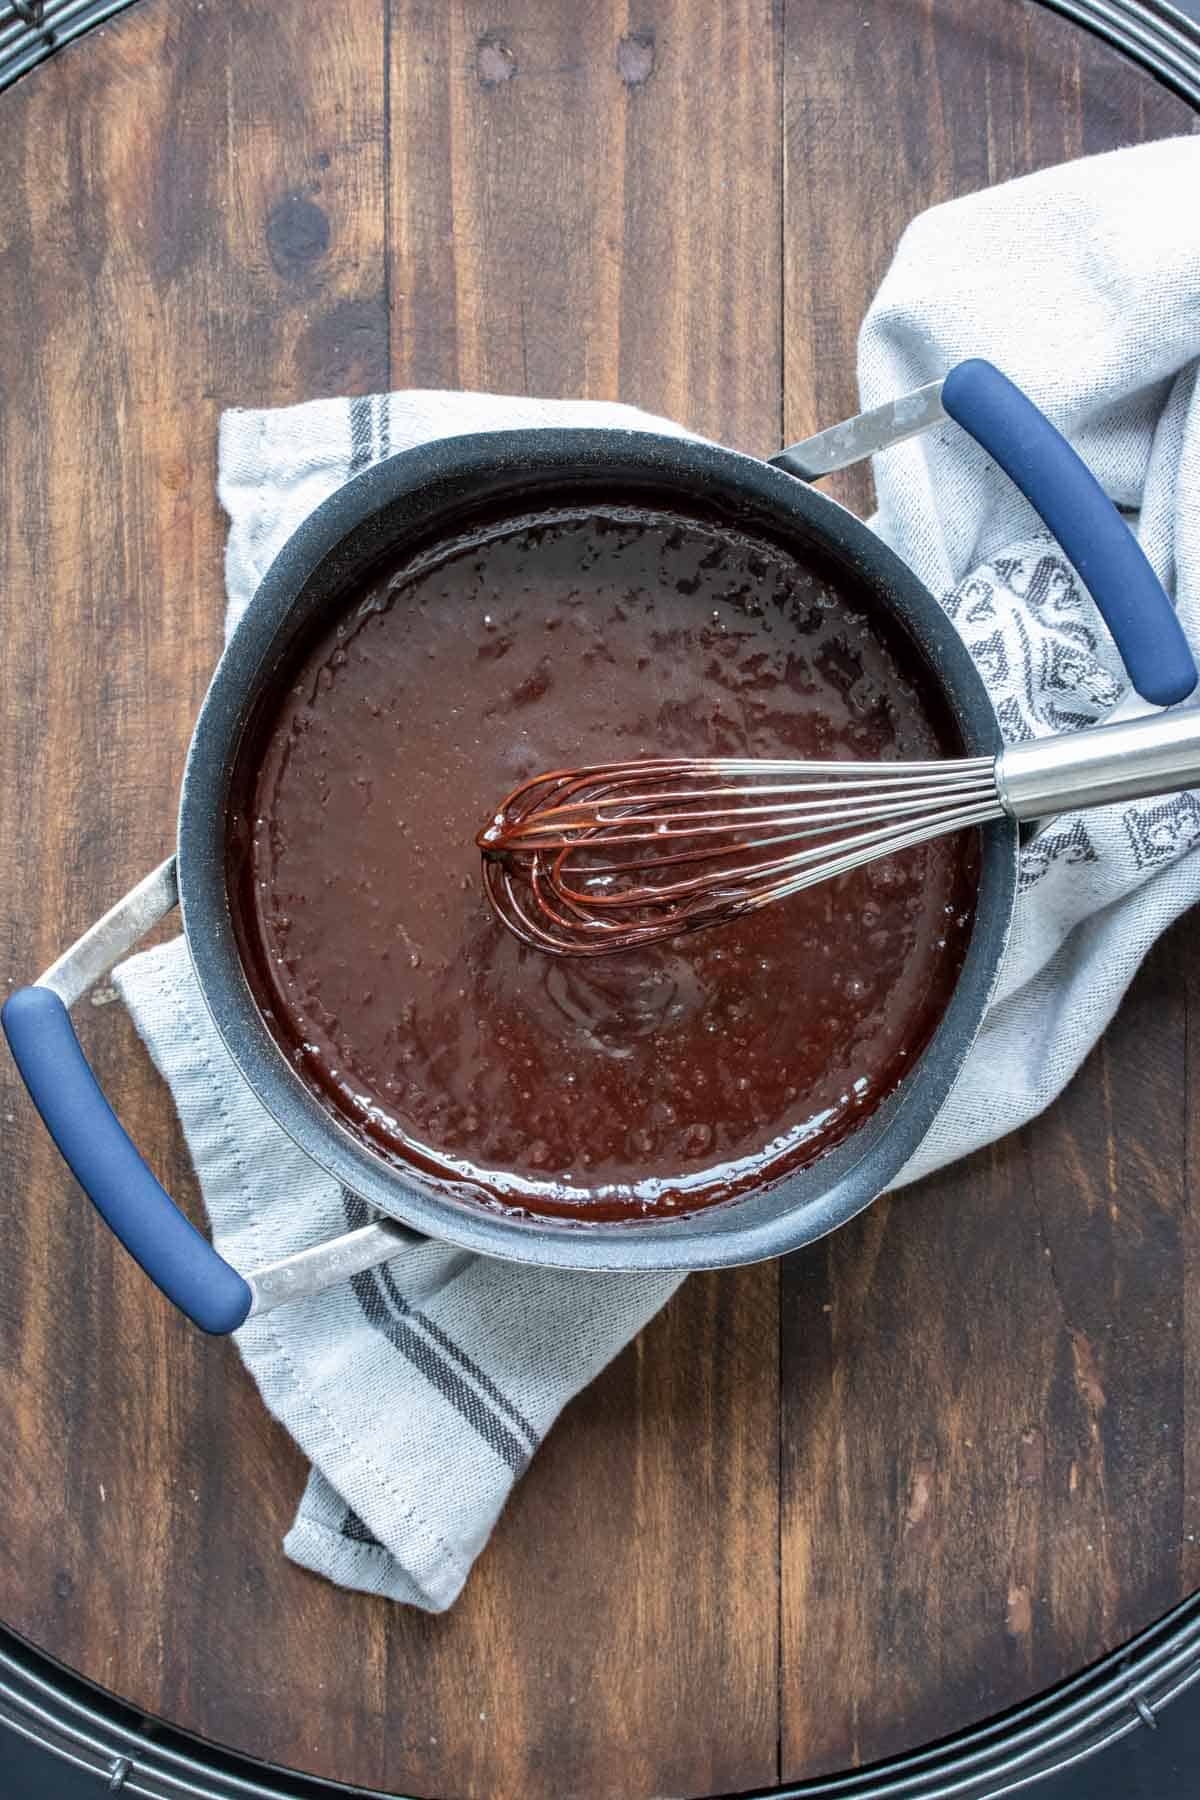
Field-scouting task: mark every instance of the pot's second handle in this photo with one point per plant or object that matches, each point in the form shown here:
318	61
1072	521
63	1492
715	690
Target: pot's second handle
107	1165
1110	561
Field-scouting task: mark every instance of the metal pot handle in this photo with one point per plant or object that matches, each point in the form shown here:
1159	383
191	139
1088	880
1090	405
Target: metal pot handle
1057	482
109	1167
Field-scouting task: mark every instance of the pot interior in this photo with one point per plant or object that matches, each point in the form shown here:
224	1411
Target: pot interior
404	509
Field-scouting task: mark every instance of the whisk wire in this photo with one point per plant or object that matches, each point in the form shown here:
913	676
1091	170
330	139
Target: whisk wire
577	861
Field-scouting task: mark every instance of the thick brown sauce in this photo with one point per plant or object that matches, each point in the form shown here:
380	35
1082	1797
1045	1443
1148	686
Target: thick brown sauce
653	1082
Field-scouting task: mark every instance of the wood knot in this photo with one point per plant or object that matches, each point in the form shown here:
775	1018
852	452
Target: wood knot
297	233
494	61
635	58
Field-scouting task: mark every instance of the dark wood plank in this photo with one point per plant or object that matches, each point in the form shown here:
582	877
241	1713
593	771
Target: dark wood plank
982	1380
605	245
1188	1577
192	206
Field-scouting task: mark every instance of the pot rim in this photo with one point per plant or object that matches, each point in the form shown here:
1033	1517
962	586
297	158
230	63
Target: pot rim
414	496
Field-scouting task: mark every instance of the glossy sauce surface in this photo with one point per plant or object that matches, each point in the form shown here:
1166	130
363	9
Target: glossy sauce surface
652	1082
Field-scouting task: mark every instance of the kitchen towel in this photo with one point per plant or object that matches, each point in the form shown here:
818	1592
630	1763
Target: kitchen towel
419	1391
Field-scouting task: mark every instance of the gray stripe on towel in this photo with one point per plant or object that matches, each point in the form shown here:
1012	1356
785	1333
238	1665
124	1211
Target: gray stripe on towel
460	1356
358	1214
353	1528
378	1311
360	433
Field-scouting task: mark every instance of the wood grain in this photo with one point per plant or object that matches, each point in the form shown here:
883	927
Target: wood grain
192	206
982	1379
569	151
795	1524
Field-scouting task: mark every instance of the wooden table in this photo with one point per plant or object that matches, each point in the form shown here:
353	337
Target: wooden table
942	1459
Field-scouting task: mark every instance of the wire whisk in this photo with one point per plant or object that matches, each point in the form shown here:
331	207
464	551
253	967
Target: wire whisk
617	855
593	860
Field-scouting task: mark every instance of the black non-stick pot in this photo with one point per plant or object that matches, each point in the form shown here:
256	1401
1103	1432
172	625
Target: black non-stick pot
415	499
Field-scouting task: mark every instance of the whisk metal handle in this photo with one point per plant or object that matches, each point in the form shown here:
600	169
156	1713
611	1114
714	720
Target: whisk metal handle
1157	755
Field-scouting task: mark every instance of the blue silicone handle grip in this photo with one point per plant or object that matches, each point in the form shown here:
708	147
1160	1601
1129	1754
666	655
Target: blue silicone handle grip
1093	534
104	1161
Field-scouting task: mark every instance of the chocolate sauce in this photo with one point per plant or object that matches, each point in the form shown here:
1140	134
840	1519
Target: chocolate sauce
647	1083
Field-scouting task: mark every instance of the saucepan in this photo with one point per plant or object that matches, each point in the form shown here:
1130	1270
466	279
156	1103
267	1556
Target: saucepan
414	499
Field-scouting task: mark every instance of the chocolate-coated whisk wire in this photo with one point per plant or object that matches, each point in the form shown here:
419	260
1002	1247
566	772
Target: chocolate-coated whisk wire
584	862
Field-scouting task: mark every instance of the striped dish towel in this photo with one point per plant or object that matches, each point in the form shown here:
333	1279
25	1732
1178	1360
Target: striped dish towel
420	1390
